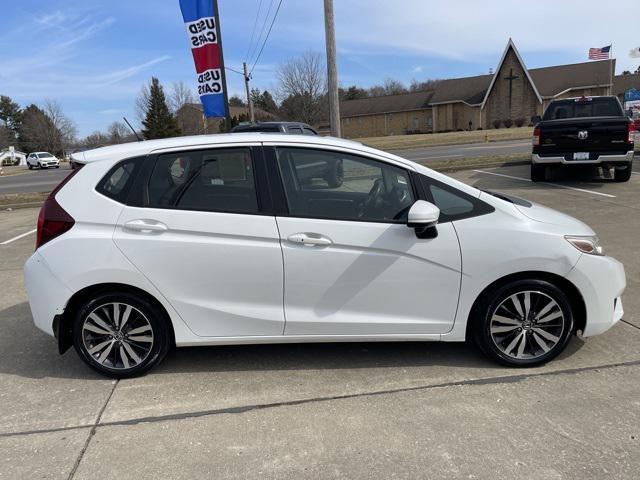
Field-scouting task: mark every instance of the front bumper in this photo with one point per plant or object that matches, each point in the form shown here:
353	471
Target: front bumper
625	158
47	295
601	281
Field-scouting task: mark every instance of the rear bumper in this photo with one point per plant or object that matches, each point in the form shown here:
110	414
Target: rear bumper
47	295
625	158
601	281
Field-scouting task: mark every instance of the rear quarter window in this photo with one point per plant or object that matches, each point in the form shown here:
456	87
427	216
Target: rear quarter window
116	184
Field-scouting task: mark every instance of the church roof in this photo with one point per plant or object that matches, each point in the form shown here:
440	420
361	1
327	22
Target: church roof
386	104
551	81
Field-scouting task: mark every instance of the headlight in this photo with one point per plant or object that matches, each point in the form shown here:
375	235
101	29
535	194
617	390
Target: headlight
586	244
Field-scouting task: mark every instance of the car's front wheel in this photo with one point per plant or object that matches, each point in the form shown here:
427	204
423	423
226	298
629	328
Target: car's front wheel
524	323
120	334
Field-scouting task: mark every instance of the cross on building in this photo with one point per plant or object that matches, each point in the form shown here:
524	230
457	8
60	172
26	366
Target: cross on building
511	78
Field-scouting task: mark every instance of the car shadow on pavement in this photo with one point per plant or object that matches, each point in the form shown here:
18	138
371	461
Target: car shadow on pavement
26	351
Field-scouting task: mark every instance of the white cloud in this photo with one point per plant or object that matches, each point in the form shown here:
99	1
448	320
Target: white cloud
417	69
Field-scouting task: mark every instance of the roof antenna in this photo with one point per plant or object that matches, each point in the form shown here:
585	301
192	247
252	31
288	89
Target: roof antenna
134	132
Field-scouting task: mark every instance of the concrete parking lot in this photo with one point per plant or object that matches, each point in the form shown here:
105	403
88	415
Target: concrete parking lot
400	410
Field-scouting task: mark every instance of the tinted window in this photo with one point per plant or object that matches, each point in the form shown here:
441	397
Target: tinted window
45	155
453	204
323	184
296	130
213	180
308	131
594	107
117	182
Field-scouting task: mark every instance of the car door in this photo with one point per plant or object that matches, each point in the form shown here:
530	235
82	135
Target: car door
352	266
205	238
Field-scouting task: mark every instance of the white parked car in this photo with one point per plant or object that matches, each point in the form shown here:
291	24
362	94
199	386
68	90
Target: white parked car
42	160
214	240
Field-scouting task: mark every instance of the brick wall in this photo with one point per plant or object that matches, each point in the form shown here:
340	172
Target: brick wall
524	102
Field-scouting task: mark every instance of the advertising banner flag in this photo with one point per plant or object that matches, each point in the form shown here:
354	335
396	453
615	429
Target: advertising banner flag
203	29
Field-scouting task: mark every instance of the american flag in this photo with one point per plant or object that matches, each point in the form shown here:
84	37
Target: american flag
599	53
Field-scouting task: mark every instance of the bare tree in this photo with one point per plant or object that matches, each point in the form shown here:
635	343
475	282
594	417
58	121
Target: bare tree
428	84
142	103
61	131
180	95
302	87
95	140
118	133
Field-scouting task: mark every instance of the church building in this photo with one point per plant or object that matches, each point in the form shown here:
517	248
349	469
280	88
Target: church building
508	97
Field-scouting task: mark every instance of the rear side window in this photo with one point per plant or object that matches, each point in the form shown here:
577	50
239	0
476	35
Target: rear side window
308	131
116	184
219	180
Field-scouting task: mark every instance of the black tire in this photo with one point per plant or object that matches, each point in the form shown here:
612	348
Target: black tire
39	166
495	345
623	174
113	365
335	176
29	166
57	166
538	173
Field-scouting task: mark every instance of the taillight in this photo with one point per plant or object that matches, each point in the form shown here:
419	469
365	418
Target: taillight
536	137
53	220
631	129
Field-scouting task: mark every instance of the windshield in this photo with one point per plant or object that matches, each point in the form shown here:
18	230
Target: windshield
45	155
583	107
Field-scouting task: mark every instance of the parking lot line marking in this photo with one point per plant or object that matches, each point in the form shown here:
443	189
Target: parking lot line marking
6	242
608	195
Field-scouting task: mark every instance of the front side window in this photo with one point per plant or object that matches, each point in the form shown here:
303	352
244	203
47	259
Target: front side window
340	186
211	180
453	204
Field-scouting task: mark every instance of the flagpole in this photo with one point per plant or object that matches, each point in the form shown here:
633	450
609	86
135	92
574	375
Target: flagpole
223	76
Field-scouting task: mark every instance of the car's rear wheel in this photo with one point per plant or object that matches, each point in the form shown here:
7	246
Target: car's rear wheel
622	174
524	323
120	334
538	172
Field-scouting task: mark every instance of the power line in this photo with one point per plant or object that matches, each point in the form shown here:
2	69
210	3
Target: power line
262	29
234	70
253	31
267	37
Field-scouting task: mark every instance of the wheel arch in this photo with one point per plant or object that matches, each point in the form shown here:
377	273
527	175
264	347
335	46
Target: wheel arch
63	324
575	297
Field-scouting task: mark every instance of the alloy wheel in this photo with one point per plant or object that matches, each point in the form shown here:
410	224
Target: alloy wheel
527	325
117	335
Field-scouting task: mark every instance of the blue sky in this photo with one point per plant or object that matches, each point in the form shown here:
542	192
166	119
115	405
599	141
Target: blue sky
93	56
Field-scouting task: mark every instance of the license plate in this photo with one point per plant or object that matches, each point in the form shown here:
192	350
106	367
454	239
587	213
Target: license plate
581	156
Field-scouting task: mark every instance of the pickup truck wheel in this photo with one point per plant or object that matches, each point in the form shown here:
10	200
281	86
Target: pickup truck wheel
524	323
538	173
622	174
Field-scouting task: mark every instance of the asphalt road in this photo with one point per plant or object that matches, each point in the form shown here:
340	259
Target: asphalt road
466	151
357	411
33	181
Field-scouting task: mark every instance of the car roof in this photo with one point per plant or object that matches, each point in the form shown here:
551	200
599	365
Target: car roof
135	149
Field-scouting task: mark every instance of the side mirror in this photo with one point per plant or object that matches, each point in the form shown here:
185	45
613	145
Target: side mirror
423	217
536	119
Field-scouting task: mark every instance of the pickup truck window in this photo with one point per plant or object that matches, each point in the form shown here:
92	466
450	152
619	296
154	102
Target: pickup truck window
582	108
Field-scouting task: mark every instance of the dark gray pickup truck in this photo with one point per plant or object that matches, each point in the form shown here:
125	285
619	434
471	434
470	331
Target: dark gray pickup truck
583	131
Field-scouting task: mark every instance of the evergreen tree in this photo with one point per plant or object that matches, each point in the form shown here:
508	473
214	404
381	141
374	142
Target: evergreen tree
159	122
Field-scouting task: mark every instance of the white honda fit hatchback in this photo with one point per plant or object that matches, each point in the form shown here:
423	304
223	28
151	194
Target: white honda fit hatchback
271	238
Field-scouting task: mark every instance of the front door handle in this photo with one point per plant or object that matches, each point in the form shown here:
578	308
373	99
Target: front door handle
146	226
311	239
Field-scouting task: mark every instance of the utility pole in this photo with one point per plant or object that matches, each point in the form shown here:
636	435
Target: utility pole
247	77
332	72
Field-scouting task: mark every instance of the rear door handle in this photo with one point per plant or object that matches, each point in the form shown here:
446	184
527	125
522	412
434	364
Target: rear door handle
146	226
311	239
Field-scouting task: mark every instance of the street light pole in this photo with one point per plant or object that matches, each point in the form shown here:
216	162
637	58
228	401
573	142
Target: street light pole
332	72
247	77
